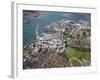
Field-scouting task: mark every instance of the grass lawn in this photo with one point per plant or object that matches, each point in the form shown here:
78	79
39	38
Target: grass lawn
79	53
75	63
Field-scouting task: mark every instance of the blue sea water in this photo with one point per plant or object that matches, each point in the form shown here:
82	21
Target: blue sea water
30	22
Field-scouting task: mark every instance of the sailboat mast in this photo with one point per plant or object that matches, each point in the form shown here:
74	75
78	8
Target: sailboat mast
37	35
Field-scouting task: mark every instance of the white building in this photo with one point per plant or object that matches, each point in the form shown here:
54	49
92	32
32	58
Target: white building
51	41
